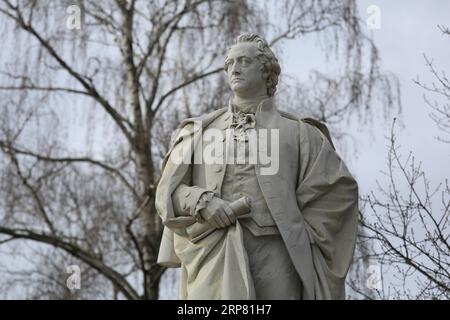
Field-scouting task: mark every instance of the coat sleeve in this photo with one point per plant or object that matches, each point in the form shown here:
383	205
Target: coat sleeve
327	196
176	196
173	186
186	196
175	171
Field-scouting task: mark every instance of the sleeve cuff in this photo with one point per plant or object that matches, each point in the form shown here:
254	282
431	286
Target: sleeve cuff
202	202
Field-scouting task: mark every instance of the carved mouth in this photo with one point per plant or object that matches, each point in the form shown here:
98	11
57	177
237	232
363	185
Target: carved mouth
237	79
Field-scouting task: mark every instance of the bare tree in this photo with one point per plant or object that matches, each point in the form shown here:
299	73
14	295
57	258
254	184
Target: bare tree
440	88
131	72
410	229
408	219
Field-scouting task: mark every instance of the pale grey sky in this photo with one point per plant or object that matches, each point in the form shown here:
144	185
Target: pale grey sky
408	30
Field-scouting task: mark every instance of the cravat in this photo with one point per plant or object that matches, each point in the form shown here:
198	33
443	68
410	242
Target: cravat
242	121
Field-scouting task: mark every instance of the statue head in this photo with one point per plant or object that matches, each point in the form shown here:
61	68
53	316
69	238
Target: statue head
252	67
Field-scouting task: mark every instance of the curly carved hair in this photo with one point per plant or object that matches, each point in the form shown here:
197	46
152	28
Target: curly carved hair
270	66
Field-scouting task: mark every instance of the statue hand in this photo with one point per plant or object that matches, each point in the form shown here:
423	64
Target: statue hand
218	213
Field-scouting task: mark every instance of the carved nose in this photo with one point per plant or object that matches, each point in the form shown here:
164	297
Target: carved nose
235	69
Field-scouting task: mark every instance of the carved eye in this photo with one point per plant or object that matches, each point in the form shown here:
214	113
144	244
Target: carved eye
245	62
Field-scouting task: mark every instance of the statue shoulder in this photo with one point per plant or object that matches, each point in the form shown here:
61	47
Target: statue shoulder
214	114
188	125
290	116
309	124
204	117
313	124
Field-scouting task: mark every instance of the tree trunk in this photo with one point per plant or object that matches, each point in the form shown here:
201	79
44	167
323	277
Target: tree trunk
152	226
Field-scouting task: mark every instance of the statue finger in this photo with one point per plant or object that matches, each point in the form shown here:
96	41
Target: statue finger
230	214
220	224
213	222
225	218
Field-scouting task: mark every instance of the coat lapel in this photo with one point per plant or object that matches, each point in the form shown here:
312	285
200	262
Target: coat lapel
283	208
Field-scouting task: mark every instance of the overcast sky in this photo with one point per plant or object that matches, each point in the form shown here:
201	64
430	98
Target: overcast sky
408	30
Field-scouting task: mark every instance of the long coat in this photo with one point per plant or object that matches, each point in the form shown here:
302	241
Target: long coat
313	199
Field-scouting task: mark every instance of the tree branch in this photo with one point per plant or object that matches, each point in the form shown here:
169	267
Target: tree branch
85	82
182	85
9	148
77	252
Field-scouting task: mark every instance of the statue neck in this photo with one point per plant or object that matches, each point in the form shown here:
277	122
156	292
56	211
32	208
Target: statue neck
248	104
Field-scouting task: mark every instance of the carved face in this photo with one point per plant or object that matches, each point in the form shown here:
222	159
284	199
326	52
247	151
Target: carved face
245	71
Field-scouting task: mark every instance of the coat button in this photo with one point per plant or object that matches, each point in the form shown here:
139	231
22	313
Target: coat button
218	169
185	206
187	194
214	186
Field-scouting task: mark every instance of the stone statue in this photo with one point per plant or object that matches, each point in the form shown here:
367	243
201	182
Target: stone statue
256	203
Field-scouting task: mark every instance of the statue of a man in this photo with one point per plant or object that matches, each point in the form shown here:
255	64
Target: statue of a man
271	212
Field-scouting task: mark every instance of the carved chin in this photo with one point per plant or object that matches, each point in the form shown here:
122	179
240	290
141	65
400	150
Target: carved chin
238	86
